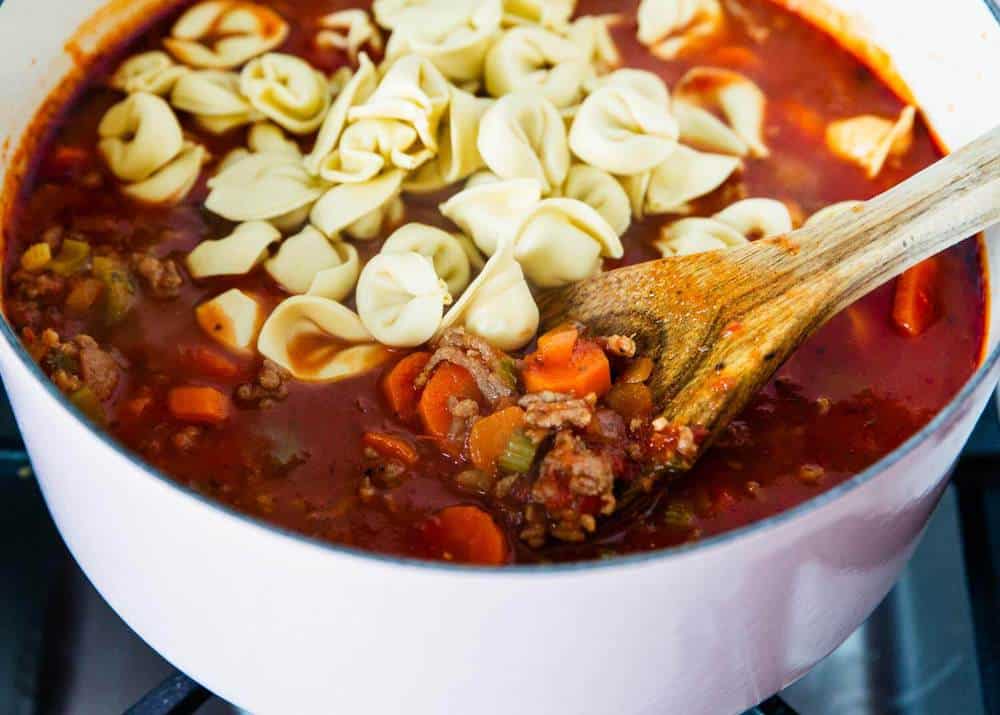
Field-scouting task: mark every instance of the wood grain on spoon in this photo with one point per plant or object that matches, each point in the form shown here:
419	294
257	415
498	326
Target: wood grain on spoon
720	324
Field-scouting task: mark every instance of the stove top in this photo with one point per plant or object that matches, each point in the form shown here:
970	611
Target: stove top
932	647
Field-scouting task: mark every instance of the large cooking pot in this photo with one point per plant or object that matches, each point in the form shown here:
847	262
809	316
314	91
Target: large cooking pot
277	623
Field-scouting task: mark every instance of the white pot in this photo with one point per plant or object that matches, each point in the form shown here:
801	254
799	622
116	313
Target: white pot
279	624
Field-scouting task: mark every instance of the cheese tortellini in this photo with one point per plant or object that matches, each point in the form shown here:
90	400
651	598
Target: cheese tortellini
621	131
498	306
235	255
232	319
348	31
139	136
224	34
830	212
490	210
734	226
547	13
740	102
215	100
535	60
668	27
361	209
683	177
401	299
757	218
319	340
449	257
602	192
288	91
370	146
869	140
310	263
458	154
153	72
523	136
171	183
262	187
563	241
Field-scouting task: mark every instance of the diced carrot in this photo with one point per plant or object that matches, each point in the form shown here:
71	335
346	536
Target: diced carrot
806	120
449	380
466	534
556	346
391	447
201	405
209	362
491	435
399	385
915	306
83	296
588	371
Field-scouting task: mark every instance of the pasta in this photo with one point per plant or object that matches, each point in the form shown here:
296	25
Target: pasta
342	207
349	31
455	39
139	136
267	138
310	263
262	187
547	13
288	91
357	90
232	319
498	306
868	140
532	59
522	136
171	183
684	176
401	299
647	84
223	34
562	241
619	130
757	218
698	235
319	340
592	34
214	98
450	259
235	255
735	96
668	27
379	221
832	211
489	211
370	146
153	72
458	154
602	192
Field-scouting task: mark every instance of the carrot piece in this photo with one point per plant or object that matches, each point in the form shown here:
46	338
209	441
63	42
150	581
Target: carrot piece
806	120
490	436
466	534
399	385
449	380
201	405
391	447
83	296
588	371
556	346
915	306
210	362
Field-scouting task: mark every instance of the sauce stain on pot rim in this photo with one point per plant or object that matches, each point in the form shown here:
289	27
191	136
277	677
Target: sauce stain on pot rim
108	26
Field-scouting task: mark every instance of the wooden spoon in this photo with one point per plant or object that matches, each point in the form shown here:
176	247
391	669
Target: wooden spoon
719	324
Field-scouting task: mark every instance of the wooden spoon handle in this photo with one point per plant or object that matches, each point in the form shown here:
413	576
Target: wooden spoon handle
949	201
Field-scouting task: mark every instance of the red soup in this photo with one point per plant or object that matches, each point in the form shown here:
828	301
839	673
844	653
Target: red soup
185	256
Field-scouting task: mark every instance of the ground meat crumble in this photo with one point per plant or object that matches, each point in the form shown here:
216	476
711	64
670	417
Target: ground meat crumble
268	388
161	276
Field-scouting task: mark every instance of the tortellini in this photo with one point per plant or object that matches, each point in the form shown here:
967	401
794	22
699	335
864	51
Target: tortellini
349	31
498	306
563	241
646	83
621	131
357	90
267	138
214	98
310	263
153	72
684	176
458	154
171	183
236	254
868	140
602	192
547	13
522	136
830	212
223	34
698	235
736	97
369	146
319	340
455	36
490	210
592	34
262	187
532	59
757	218
232	319
401	299
668	27
360	209
139	136
449	257
288	91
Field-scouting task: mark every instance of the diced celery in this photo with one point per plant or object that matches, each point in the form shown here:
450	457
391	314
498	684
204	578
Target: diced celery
519	454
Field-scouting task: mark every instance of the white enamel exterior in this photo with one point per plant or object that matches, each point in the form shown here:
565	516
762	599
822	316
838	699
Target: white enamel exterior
277	624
